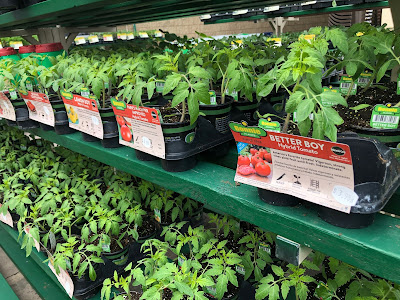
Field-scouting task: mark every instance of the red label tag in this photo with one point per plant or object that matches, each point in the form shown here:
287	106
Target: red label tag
39	108
314	170
83	114
7	110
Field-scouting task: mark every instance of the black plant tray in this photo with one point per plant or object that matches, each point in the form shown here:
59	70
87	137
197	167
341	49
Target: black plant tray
85	289
376	178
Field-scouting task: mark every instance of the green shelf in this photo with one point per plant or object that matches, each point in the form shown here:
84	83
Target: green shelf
375	249
76	13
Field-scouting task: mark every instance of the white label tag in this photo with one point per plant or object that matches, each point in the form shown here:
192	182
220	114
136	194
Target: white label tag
344	195
6	219
64	279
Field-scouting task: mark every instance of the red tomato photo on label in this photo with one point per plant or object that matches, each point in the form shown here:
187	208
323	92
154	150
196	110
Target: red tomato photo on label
268	157
255	160
126	133
120	120
245	170
31	107
253	151
243	160
263	169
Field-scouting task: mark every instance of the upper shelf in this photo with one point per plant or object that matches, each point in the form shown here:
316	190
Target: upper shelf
294	10
374	249
78	13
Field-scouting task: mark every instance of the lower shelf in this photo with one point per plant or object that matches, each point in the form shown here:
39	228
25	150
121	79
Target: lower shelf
37	273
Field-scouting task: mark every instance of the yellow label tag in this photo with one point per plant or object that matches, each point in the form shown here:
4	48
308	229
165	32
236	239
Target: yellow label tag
121	36
79	40
108	37
16	44
143	34
359	33
308	37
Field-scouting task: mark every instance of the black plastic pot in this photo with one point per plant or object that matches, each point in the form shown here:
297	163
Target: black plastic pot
247	109
274	104
61	125
177	136
9	4
119	257
143	156
22	115
374	189
218	115
277	199
389	137
110	128
84	288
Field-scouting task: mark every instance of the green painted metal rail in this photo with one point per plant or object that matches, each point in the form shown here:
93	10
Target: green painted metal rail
37	273
75	13
375	249
6	290
380	4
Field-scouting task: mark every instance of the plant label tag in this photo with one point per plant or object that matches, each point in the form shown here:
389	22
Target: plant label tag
271	8
311	116
130	36
52	239
211	290
303	167
265	248
398	84
29	86
83	114
364	79
27	229
158	34
160	87
143	35
121	36
269	125
331	89
108	37
85	92
80	40
16	44
13	94
233	94
93	39
157	215
308	37
139	128
213	98
347	84
7	110
277	41
181	260
64	279
6	218
344	195
386	117
105	247
39	107
240	269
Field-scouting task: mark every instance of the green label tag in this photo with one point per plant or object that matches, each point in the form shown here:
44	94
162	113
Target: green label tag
85	92
157	215
311	116
364	79
13	94
160	87
233	94
345	85
329	89
269	125
106	85
105	246
240	269
181	260
160	116
398	84
385	117
265	247
212	290
213	98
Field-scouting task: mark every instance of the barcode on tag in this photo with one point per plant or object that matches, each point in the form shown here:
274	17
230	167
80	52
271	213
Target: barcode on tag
363	80
385	119
345	85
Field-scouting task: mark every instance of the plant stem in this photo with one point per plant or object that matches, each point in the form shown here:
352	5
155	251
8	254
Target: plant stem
286	124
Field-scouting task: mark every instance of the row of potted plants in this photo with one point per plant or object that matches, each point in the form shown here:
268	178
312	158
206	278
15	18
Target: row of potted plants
85	220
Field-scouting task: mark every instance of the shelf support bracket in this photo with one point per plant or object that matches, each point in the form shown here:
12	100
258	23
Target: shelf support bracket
279	23
290	251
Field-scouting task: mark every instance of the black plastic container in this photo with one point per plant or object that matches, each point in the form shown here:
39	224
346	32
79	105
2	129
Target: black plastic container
277	199
110	128
218	115
247	109
22	115
374	188
143	156
9	4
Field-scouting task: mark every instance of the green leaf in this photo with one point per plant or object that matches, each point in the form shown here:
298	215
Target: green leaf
277	270
343	276
293	101
351	68
318	126
304	127
334	98
222	285
179	98
285	287
92	273
332	116
262	291
302	291
171	82
193	106
359	107
184	288
304	109
199	72
331	131
274	292
382	70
